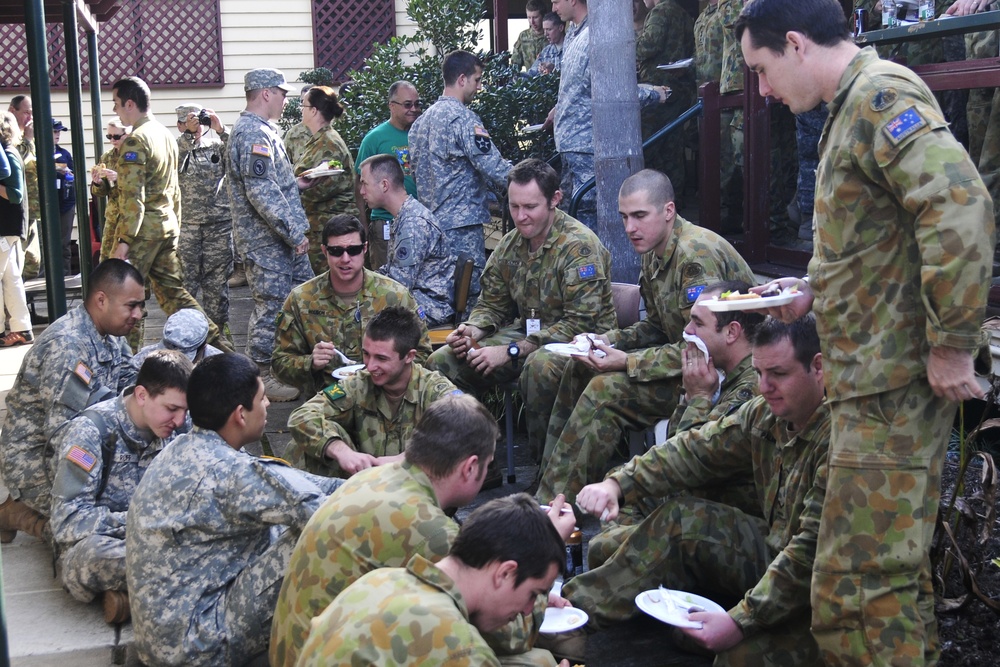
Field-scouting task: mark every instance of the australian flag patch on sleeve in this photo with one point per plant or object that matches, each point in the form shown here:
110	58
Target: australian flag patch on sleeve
588	271
693	293
904	125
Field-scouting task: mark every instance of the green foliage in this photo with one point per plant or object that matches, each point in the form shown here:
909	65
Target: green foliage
447	24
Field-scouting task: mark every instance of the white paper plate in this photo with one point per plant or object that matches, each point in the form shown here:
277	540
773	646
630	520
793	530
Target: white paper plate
532	128
677	64
347	371
565	349
563	620
651	603
717	306
322	172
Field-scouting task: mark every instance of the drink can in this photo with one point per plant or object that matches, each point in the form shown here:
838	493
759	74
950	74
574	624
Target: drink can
860	20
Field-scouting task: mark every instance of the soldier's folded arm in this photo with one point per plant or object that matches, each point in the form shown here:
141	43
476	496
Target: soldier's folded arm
584	286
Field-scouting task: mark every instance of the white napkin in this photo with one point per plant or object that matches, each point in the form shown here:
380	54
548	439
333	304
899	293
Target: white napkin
582	343
700	344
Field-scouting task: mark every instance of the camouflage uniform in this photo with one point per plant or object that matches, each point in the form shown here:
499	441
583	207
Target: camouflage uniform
150	206
691	544
112	214
31	241
355	411
367	622
667	36
88	521
456	164
903	249
69	367
402	519
571	404
331	195
268	223
295	139
206	238
421	261
983	111
732	72
565	283
552	53
208	537
526	48
313	313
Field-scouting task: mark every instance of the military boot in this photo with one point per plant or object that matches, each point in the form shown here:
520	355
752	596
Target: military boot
116	607
239	277
275	389
16	516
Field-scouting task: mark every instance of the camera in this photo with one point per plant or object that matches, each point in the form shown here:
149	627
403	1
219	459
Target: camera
204	118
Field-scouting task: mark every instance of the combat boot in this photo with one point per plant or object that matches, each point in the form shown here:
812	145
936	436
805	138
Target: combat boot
239	277
275	389
16	516
116	607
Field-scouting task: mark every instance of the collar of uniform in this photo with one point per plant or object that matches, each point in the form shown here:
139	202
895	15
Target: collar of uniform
735	375
419	476
263	120
861	60
433	576
370	400
136	439
668	252
139	123
816	427
555	232
102	350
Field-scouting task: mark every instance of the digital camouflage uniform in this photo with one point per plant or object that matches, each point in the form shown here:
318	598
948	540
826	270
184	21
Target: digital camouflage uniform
903	251
402	518
69	366
268	223
330	195
112	215
206	239
150	207
566	283
357	412
88	521
667	36
395	617
456	165
420	259
31	241
527	46
313	313
295	139
692	544
552	53
208	537
576	417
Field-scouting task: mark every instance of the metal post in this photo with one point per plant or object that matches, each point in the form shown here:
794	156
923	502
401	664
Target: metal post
76	128
95	113
41	101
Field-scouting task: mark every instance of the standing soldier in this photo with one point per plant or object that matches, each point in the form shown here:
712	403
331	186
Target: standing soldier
532	40
206	240
20	106
104	183
297	136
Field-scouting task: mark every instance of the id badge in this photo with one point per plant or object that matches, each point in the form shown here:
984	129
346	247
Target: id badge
534	325
385	231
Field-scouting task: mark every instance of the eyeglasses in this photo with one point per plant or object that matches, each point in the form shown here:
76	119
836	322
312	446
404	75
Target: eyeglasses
339	250
408	104
308	106
115	137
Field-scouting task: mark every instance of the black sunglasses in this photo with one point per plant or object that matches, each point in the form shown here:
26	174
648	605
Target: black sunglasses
339	250
114	137
408	104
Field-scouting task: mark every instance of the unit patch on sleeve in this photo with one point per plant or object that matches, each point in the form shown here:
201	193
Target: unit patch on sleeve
262	150
904	125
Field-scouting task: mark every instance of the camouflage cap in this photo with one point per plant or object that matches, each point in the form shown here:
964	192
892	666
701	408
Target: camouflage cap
184	109
266	77
185	331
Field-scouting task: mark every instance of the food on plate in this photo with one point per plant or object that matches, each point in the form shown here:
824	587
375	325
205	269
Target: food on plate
324	167
737	296
770	292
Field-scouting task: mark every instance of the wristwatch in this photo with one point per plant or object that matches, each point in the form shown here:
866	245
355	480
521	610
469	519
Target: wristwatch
513	351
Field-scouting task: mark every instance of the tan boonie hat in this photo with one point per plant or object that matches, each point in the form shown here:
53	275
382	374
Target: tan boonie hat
184	109
266	77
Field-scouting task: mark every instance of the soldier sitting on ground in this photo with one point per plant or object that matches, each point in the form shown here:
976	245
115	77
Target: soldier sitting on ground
185	331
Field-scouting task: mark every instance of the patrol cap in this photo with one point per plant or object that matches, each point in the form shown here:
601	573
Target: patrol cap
185	331
266	77
57	125
184	109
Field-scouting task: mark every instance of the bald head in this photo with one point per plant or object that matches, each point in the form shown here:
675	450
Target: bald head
658	188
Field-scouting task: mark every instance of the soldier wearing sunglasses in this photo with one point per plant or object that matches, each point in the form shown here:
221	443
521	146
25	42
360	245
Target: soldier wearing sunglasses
104	183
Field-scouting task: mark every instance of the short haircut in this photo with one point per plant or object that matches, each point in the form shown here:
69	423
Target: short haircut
657	186
510	528
342	225
17	100
552	17
385	166
748	319
533	169
457	63
325	101
9	129
398	324
110	275
165	369
535	6
801	332
769	21
452	429
209	405
397	86
132	88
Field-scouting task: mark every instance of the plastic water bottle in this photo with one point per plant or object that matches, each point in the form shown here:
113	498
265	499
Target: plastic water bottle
69	178
925	10
888	14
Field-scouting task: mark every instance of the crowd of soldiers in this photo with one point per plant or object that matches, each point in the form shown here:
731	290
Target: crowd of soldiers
798	479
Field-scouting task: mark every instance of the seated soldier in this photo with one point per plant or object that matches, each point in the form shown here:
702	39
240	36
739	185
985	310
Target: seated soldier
80	359
782	438
101	456
405	514
366	419
321	324
185	331
707	397
210	528
419	256
506	555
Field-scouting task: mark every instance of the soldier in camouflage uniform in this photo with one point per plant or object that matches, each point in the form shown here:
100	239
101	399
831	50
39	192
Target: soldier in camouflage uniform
420	256
185	331
547	280
549	60
782	439
206	238
440	606
588	402
298	135
532	40
20	106
101	456
898	280
456	163
77	361
104	183
328	195
150	200
269	224
366	419
316	322
211	528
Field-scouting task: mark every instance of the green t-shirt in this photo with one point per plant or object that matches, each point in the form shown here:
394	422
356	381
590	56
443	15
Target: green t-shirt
386	138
